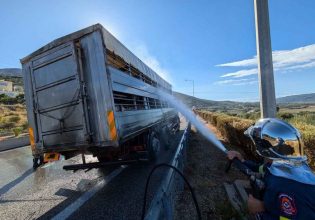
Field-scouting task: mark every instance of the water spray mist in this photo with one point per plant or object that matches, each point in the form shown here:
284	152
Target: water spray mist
190	116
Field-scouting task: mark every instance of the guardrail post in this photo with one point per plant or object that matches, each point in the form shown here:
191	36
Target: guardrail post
168	207
185	149
180	181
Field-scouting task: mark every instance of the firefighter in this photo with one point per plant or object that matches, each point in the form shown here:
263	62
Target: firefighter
289	183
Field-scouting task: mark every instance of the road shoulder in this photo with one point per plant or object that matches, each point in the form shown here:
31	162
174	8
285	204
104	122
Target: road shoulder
205	171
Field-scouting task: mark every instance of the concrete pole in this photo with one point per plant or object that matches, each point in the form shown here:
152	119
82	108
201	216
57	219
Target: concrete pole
264	56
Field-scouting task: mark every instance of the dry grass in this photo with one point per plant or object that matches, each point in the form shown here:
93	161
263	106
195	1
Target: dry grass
232	128
297	110
13	120
308	135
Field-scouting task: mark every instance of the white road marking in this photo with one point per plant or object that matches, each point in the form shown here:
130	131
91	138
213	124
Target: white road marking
69	210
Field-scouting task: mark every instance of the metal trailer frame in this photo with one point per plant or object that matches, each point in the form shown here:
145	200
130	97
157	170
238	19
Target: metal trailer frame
76	89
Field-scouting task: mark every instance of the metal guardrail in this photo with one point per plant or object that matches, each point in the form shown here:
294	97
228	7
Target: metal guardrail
12	143
162	205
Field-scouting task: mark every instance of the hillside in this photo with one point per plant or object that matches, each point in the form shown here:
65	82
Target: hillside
303	98
15	75
11	72
215	105
287	101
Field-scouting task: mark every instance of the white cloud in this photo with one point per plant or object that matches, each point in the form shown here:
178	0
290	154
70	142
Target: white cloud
237	82
242	63
283	60
302	66
281	57
142	52
241	73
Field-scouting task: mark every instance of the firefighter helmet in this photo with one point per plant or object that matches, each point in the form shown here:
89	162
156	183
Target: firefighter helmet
276	139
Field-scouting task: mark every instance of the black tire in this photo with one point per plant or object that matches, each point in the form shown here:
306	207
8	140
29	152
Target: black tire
177	124
165	137
154	146
101	159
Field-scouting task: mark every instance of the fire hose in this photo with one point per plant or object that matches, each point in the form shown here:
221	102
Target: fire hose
182	176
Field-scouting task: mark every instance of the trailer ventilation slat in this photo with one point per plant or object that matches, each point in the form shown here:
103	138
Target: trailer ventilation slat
119	63
129	102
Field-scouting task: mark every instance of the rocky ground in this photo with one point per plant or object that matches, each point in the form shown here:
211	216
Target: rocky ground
205	171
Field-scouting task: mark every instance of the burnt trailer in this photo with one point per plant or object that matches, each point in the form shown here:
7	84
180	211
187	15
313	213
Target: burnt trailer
87	93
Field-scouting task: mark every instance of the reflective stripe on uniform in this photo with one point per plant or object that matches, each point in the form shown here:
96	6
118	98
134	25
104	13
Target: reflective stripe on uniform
261	169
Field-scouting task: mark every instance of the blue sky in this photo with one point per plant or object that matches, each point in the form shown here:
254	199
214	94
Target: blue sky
212	42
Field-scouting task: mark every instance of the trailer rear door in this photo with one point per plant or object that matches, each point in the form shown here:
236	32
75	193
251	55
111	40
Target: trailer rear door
58	90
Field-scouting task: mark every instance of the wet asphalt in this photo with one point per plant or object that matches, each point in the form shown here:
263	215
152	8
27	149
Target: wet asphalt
48	191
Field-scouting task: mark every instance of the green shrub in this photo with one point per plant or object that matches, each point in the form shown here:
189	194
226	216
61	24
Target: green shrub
7	125
17	131
232	128
285	115
25	125
5	99
14	119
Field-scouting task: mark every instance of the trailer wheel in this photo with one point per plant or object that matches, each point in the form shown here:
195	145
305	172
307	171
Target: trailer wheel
154	146
165	137
101	159
177	124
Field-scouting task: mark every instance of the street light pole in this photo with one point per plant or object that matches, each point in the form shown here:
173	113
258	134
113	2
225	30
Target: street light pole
193	82
264	56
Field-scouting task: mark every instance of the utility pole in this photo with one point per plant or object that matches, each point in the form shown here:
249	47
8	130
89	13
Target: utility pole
264	56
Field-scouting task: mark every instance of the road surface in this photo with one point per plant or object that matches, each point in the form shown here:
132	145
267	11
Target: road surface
50	192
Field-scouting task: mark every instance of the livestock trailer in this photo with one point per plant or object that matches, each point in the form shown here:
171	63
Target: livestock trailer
87	93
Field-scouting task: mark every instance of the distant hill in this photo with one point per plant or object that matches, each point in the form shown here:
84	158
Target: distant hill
7	73
236	107
11	72
215	105
303	98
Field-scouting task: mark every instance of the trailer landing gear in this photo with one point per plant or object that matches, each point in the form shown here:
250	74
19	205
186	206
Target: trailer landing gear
89	166
37	161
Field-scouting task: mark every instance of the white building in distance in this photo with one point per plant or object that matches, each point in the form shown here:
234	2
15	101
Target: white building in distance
6	86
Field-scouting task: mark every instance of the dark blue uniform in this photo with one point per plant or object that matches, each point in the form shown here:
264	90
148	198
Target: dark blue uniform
285	198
